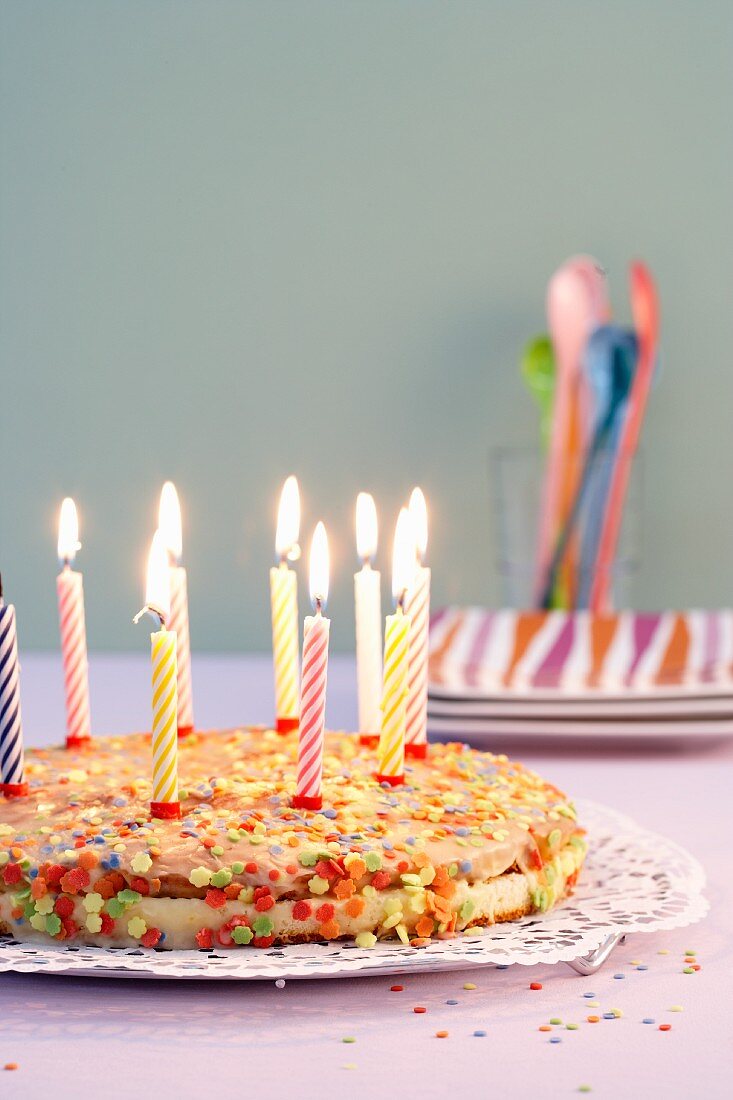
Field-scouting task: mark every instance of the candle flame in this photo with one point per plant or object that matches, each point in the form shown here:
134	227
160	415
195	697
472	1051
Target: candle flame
169	521
288	521
403	556
158	582
366	526
419	513
319	566
68	531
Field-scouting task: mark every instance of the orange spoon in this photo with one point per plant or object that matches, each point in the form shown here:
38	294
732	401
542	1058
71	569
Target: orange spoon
645	311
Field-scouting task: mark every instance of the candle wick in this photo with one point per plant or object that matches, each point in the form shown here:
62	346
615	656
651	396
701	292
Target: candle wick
154	612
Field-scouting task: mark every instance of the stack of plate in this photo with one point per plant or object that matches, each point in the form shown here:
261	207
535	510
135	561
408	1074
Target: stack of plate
575	674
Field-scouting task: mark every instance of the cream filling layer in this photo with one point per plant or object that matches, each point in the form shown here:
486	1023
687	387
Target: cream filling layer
387	913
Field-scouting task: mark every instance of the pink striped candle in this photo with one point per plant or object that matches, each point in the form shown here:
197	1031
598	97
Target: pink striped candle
417	609
316	630
171	531
70	591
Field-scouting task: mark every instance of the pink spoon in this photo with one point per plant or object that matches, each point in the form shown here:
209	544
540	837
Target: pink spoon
645	311
576	302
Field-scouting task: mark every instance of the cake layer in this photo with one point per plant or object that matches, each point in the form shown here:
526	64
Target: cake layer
470	839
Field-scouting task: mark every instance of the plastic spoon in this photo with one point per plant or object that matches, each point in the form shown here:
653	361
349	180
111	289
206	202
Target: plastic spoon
596	370
645	311
612	353
538	372
572	308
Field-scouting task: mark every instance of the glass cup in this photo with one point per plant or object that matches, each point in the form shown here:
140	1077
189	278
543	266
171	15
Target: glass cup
517	486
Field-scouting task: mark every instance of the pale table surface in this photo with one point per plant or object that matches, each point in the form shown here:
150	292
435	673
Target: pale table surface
117	1038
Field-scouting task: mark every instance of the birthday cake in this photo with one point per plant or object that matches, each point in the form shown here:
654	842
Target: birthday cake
468	840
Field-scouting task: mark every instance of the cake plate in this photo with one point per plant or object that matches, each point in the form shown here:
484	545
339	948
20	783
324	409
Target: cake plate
633	881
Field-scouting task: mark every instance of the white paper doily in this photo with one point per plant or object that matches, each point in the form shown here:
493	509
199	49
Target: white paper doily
633	881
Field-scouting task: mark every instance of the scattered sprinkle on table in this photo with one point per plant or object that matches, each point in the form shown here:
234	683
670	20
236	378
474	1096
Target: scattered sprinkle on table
545	1027
663	952
593	1004
396	988
555	1020
593	1019
589	994
451	1002
609	1016
584	1088
480	1034
618	976
419	1008
665	1027
468	985
688	970
280	983
535	985
641	966
571	1027
348	1039
441	1034
555	1039
349	1065
648	1020
676	1008
10	1065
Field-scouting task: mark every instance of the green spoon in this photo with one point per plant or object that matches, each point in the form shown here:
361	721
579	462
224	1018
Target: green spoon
538	372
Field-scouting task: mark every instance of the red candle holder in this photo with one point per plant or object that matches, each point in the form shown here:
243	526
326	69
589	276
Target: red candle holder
14	790
418	750
307	802
393	780
286	725
73	741
370	740
183	731
166	811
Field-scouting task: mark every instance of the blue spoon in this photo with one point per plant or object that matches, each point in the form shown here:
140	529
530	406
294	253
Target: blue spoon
596	369
611	360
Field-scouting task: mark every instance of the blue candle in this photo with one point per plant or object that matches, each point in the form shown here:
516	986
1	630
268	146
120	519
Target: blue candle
12	768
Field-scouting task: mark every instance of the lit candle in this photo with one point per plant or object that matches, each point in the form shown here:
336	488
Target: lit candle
12	766
417	607
70	592
164	802
396	658
313	684
169	525
368	607
284	601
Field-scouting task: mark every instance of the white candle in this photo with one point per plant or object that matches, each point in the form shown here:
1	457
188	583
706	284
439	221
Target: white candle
171	531
368	609
417	607
313	687
70	592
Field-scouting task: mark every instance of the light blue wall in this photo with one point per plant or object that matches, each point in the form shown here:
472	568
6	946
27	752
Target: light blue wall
243	239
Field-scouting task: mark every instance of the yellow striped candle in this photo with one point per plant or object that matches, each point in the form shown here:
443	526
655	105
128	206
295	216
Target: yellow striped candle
164	803
394	699
284	603
396	658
